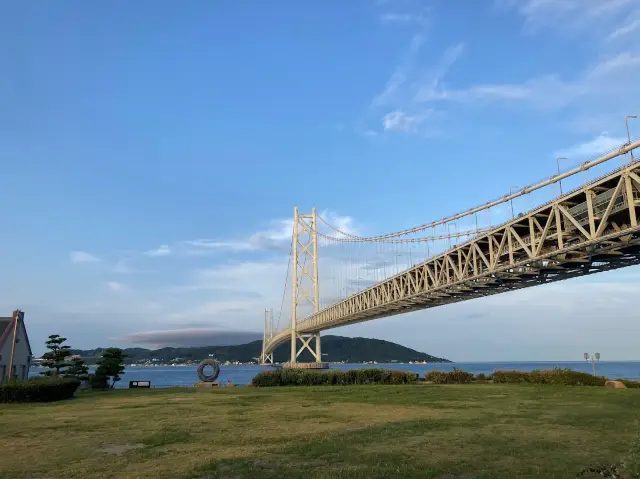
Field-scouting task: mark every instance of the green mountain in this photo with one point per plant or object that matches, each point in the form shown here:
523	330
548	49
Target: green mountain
334	348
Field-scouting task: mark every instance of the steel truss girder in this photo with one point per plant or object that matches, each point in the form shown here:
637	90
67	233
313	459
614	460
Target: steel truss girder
590	230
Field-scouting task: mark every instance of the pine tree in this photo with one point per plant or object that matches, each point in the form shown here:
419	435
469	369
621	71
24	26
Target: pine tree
55	357
77	369
110	365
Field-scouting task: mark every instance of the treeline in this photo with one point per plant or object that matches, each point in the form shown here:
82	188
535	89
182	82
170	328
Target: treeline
334	348
64	373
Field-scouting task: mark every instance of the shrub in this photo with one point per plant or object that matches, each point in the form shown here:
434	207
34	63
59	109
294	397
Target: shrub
511	377
38	390
310	377
629	383
481	377
566	377
457	376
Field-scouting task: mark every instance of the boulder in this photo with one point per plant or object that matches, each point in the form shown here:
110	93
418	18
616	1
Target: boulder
614	385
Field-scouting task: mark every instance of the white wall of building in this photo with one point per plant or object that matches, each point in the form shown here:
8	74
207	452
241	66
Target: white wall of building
22	355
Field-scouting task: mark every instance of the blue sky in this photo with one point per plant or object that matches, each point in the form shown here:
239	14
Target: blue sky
152	154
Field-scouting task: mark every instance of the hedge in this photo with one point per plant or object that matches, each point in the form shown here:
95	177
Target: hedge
566	377
306	377
457	376
629	383
38	390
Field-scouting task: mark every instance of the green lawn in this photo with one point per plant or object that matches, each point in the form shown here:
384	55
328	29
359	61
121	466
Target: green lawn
452	431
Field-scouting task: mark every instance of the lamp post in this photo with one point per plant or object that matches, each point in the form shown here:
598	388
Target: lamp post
511	200
449	232
626	121
594	359
558	163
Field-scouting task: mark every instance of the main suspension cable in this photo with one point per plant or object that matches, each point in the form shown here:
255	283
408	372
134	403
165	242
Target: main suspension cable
613	153
286	282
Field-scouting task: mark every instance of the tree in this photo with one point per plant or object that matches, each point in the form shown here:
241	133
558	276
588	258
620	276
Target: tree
110	365
55	358
77	369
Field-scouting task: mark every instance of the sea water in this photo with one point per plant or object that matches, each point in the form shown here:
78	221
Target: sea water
165	376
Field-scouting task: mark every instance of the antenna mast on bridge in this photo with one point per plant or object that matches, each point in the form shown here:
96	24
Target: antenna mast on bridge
305	264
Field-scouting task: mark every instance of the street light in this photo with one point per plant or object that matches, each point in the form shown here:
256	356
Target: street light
511	200
558	163
626	121
595	359
449	232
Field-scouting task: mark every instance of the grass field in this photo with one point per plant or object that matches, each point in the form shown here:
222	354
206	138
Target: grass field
453	431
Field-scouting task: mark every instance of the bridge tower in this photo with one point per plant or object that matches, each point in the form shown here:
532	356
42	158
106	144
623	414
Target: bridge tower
306	287
268	336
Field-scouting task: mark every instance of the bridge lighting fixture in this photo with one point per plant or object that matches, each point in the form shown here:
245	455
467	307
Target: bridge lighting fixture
558	163
449	232
511	200
626	121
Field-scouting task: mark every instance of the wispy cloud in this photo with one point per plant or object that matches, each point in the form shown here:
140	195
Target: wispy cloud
115	286
569	15
411	84
277	237
273	238
603	90
162	250
404	18
589	149
391	92
626	29
83	257
401	121
432	87
191	337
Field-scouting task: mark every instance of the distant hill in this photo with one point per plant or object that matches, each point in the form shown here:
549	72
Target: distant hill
336	348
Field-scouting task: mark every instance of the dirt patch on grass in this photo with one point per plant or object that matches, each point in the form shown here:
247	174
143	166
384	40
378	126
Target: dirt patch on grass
119	449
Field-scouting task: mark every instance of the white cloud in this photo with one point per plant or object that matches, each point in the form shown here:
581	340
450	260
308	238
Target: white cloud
602	143
83	257
400	121
570	15
345	224
408	83
602	92
115	286
432	87
162	250
398	78
191	337
404	18
626	29
122	266
275	238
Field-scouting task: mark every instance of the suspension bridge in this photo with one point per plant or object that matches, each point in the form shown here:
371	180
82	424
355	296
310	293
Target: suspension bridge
587	230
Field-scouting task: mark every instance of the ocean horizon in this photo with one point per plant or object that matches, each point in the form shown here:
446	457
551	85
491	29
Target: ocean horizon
185	375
